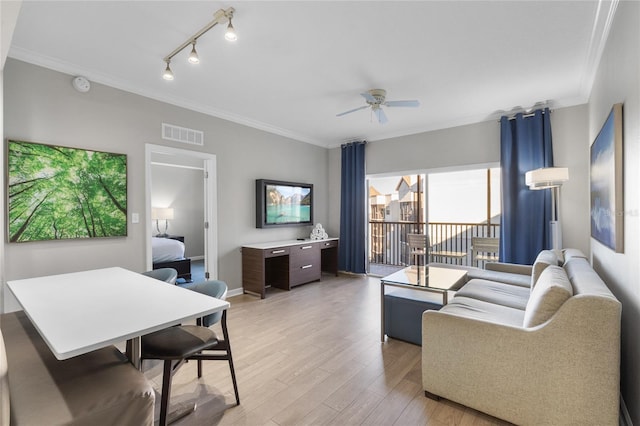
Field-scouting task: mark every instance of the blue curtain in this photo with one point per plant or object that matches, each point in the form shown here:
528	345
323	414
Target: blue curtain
353	209
525	144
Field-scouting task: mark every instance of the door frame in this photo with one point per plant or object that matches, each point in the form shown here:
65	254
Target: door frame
210	203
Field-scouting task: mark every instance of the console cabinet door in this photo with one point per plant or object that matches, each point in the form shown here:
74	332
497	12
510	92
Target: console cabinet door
304	263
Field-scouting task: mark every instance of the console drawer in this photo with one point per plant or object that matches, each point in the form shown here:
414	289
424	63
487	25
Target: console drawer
328	244
276	251
304	254
304	273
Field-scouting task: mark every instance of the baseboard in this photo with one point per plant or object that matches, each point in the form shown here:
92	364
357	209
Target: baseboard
234	292
196	257
625	419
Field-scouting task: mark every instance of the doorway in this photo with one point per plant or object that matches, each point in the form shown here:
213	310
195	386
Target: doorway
187	160
453	207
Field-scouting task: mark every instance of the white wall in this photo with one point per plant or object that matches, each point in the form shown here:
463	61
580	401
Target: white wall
618	80
480	144
42	106
570	130
465	145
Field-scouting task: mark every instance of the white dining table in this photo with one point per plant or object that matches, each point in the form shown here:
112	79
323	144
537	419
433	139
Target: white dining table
79	312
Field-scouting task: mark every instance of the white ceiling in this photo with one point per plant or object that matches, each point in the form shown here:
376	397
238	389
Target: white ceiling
297	64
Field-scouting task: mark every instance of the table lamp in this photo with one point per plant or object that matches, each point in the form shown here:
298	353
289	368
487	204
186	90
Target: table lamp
159	214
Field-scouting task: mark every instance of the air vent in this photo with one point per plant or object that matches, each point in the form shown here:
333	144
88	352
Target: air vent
182	134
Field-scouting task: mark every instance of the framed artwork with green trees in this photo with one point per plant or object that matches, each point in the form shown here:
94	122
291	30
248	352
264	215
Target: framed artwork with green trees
57	193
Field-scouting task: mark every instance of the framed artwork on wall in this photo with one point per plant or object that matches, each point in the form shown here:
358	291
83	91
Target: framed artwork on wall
56	193
607	203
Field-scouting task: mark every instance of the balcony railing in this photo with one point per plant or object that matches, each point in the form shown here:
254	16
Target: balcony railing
388	240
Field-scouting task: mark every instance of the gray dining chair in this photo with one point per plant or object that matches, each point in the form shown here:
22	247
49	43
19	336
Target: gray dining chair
168	275
176	345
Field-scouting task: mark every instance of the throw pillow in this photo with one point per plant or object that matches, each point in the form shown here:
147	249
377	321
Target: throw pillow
551	291
544	259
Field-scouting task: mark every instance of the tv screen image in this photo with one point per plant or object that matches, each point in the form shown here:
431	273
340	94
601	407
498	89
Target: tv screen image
56	192
281	203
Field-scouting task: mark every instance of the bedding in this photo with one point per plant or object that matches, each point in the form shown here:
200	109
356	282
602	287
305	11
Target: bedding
166	249
169	253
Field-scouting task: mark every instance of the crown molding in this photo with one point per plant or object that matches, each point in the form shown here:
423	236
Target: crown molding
602	22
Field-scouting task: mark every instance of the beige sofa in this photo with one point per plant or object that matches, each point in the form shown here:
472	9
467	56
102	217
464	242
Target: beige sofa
545	355
97	388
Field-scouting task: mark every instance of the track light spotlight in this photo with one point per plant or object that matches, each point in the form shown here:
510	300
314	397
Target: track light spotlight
230	34
168	74
193	56
219	17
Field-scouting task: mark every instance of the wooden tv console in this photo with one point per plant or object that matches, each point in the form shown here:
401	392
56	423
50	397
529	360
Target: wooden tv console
286	264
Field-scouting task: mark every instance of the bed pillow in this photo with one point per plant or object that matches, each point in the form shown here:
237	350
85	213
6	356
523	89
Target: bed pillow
544	259
551	291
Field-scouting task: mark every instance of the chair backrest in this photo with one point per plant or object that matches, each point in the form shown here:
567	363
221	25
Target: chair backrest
213	288
483	248
418	241
168	275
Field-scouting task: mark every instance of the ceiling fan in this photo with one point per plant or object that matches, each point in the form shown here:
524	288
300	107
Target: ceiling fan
375	99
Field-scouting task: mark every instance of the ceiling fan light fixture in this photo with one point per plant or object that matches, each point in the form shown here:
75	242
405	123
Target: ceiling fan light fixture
230	34
375	99
167	74
193	56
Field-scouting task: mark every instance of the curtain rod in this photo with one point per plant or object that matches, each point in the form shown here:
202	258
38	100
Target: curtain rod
530	114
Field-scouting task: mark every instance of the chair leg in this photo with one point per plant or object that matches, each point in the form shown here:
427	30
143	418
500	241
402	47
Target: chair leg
199	368
225	333
166	391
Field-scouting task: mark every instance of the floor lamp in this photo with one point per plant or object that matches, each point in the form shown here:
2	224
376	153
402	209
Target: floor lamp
550	178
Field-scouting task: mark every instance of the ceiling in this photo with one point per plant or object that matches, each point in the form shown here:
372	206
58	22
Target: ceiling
296	64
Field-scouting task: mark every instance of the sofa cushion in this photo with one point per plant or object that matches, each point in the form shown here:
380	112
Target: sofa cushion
544	259
486	274
4	385
503	294
551	291
570	253
479	309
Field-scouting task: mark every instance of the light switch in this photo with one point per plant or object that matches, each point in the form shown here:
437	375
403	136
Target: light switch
135	218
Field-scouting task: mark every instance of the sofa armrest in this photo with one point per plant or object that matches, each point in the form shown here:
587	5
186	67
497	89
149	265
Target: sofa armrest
511	268
565	371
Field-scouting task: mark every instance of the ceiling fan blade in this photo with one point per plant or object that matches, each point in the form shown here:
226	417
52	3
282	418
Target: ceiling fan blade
382	117
369	97
352	110
402	103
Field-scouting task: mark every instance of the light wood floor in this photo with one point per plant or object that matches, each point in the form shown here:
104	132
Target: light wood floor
313	356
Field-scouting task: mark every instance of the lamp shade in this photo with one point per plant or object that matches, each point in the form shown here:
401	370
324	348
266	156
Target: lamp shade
548	177
158	213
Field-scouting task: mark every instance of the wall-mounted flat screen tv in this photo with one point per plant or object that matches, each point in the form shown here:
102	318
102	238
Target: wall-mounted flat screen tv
280	203
57	193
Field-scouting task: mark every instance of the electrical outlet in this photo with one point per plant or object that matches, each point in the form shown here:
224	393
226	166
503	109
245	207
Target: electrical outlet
135	218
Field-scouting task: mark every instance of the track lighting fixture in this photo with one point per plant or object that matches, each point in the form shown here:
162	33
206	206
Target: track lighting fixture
220	17
193	56
168	74
230	34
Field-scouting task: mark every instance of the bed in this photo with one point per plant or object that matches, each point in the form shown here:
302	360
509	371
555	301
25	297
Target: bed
169	253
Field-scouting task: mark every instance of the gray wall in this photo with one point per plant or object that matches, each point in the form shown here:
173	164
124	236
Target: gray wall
41	106
617	80
479	144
